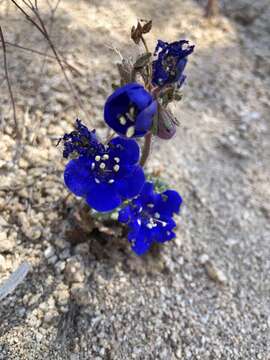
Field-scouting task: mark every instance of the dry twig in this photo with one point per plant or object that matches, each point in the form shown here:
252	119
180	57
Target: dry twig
40	25
9	84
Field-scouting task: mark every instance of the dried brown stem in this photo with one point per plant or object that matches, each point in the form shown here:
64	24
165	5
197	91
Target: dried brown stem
9	84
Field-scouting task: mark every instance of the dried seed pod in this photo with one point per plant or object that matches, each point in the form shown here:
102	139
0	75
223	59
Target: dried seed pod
147	27
166	123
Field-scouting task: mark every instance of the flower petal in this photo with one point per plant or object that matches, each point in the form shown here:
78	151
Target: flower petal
142	242
103	197
168	203
78	177
124	215
126	149
131	185
145	119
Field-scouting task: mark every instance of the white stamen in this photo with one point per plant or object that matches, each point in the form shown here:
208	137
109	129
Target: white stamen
93	166
105	157
97	181
150	205
132	111
122	120
116	159
157	215
111	181
130	131
102	165
97	158
116	167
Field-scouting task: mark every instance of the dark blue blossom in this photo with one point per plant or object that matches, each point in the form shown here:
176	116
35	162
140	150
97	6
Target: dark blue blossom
129	110
170	63
149	217
104	175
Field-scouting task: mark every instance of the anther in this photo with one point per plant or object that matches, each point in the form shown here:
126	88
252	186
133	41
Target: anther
116	167
111	181
130	131
149	226
105	157
97	158
157	215
122	120
102	165
132	111
116	159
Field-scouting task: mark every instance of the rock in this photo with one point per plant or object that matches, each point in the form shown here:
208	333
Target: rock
2	263
49	252
214	273
74	270
7	244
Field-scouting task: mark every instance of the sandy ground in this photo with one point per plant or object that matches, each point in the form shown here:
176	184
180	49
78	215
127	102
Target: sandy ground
204	295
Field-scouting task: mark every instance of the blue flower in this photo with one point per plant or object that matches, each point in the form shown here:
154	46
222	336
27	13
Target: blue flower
104	175
149	217
170	63
129	110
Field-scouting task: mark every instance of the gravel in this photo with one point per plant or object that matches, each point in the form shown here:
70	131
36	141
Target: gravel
204	295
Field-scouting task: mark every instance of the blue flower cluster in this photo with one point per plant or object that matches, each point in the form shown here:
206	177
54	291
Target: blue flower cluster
170	63
104	175
150	217
109	175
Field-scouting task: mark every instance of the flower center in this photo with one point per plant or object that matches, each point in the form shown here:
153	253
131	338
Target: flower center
104	168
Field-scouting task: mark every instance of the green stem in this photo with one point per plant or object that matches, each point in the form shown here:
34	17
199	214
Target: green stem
146	148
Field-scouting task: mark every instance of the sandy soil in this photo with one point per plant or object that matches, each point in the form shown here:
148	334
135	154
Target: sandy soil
204	295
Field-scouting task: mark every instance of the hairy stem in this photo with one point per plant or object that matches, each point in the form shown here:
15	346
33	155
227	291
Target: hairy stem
146	148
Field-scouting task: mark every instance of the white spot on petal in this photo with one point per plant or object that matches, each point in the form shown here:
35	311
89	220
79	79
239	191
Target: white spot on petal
97	181
93	166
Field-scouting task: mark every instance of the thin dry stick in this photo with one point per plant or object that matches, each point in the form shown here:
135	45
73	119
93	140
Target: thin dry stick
71	67
43	30
9	84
